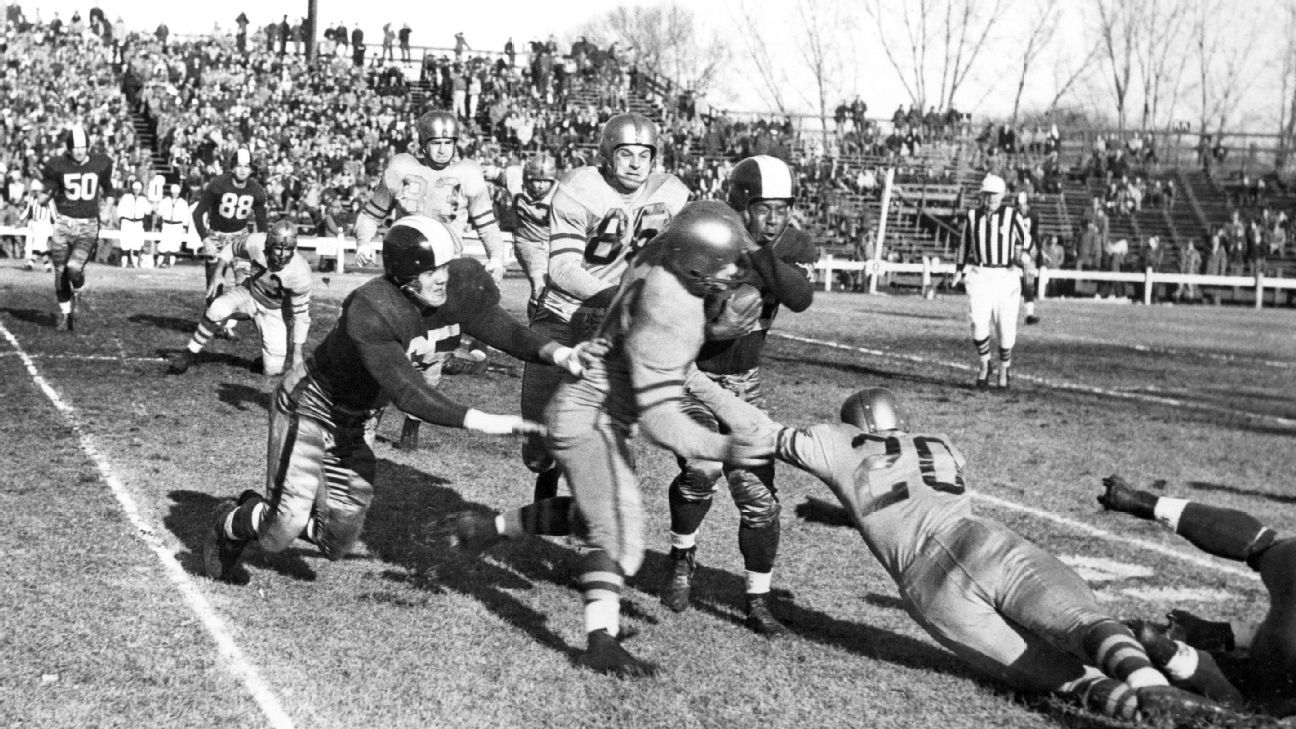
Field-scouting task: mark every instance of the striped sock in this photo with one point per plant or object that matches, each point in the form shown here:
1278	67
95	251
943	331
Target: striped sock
202	335
601	581
1113	648
1103	694
1005	356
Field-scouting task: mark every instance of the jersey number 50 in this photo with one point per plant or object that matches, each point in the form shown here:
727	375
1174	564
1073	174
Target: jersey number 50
234	207
80	185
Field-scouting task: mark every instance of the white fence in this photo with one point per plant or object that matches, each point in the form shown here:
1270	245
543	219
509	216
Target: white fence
828	268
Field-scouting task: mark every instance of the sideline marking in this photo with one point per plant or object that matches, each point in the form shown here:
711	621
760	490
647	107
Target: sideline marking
87	357
1194	559
239	664
1055	384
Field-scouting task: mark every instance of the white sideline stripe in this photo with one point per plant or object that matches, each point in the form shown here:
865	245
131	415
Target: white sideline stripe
239	664
1055	384
1194	559
86	357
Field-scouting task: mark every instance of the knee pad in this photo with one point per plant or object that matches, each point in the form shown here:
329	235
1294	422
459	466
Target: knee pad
75	273
758	506
536	456
697	481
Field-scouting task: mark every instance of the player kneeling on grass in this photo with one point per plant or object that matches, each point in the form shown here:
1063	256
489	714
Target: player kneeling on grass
278	277
320	470
1012	610
1240	664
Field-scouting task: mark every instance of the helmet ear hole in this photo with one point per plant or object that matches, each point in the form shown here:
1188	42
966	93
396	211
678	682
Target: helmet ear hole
415	244
873	410
624	129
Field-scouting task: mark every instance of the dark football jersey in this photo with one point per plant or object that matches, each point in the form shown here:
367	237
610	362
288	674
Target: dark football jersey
226	207
375	352
77	187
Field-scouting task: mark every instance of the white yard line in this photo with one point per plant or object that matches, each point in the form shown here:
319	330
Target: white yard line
238	663
1055	384
88	357
1196	559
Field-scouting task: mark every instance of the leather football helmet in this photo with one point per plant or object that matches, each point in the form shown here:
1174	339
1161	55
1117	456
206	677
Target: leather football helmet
701	242
539	174
624	129
78	143
873	410
241	160
436	125
280	244
416	244
760	178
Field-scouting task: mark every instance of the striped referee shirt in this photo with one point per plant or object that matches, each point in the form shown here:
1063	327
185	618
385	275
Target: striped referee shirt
993	239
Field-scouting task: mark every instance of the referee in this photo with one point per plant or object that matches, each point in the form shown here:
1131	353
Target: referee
994	239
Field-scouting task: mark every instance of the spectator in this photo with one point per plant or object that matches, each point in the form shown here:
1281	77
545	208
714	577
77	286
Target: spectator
389	37
1189	263
460	46
510	52
162	33
404	38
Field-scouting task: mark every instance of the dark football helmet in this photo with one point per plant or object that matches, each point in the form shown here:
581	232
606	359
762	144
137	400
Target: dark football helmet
280	244
415	244
624	129
539	174
701	242
875	409
760	178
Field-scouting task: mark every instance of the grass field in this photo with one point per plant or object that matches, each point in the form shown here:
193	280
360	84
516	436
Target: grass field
108	471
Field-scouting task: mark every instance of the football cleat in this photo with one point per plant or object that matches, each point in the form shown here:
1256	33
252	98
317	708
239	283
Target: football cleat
1170	706
468	531
604	654
759	618
983	379
64	323
1120	496
1205	635
409	440
466	362
1032	319
181	363
1155	639
29	265
1005	379
220	553
675	593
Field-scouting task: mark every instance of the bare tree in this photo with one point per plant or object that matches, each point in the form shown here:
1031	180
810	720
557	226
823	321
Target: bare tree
1041	33
773	79
1287	99
1223	53
1118	28
913	46
1067	75
821	26
667	41
1161	33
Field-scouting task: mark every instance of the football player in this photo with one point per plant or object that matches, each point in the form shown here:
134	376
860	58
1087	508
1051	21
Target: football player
1030	270
648	342
600	216
1257	661
277	278
762	190
77	181
531	208
1013	611
451	190
320	470
225	208
438	185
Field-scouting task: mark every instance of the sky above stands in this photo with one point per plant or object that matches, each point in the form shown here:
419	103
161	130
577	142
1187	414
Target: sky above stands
488	24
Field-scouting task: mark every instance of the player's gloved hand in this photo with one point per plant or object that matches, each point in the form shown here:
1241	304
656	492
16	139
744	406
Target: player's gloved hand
496	269
364	255
602	299
568	358
500	424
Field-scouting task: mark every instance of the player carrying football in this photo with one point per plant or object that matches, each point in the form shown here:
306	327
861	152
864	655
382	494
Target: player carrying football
77	181
650	338
320	470
600	217
276	277
762	190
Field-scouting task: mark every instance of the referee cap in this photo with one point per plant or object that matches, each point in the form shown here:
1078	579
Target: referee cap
993	184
